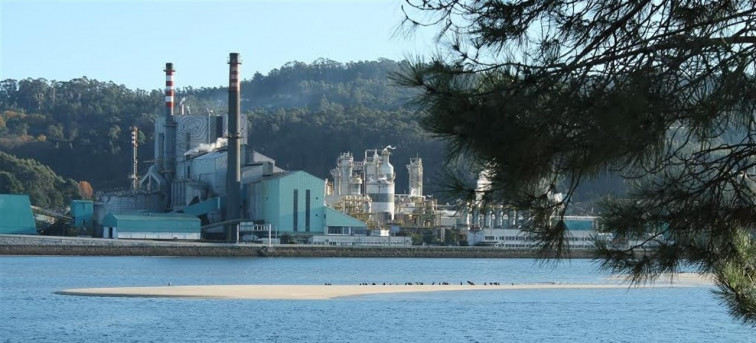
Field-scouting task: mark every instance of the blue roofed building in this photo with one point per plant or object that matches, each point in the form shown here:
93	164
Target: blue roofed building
16	215
151	226
82	212
292	202
339	223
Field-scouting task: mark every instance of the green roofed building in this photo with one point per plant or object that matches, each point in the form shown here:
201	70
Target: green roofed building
82	212
339	223
16	216
292	202
151	226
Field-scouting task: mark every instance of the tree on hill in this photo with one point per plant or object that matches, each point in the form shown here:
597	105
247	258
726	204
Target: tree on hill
9	184
548	93
44	187
69	124
85	190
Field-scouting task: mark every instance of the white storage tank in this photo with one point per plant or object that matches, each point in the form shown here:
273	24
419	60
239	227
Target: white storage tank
381	187
355	185
415	170
345	166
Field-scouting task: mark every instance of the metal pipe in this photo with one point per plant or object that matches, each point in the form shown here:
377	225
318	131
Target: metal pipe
233	171
134	161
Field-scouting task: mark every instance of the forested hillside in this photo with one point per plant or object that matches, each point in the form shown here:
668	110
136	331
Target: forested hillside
302	115
27	176
80	128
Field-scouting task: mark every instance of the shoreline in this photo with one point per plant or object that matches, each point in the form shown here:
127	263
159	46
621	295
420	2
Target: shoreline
327	292
74	246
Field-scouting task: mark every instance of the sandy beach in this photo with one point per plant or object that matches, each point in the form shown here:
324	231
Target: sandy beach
676	279
321	292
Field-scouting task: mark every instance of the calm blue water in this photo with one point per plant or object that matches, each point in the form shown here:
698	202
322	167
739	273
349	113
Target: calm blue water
31	312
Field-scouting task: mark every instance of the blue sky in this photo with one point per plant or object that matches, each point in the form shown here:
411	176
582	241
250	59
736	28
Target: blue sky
128	42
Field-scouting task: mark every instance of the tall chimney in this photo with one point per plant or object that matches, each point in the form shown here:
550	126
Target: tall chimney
233	171
169	161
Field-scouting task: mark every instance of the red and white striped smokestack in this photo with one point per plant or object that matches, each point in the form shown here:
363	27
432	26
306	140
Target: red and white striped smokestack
169	88
169	158
233	73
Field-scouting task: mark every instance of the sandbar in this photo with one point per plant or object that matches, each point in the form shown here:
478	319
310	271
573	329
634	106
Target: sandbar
323	292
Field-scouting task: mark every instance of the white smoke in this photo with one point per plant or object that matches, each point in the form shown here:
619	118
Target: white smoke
205	148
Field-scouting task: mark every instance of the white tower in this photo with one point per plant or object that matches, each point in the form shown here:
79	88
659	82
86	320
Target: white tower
379	183
342	175
415	170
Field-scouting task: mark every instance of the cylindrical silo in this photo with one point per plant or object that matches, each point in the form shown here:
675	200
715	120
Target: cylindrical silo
499	216
379	184
345	166
476	216
487	217
336	174
355	185
415	171
465	217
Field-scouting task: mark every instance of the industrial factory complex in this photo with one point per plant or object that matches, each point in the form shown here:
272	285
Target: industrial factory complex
207	183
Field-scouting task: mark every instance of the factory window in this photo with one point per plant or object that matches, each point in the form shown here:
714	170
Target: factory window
295	210
307	210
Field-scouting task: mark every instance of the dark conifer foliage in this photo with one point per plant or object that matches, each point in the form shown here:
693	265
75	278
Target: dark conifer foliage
544	95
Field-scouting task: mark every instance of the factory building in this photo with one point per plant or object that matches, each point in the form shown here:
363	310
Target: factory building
292	202
151	226
366	189
16	215
498	225
581	234
207	182
371	179
82	212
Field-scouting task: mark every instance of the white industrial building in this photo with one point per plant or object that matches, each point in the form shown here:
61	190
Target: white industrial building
581	234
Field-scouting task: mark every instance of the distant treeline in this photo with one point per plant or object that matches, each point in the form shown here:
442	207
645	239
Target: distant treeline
303	115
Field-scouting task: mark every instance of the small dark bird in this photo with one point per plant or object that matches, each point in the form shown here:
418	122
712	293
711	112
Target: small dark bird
470	283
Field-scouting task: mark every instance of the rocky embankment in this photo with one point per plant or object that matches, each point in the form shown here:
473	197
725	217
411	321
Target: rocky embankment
46	245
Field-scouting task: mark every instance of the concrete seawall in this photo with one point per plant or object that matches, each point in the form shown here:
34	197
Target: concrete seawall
41	245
